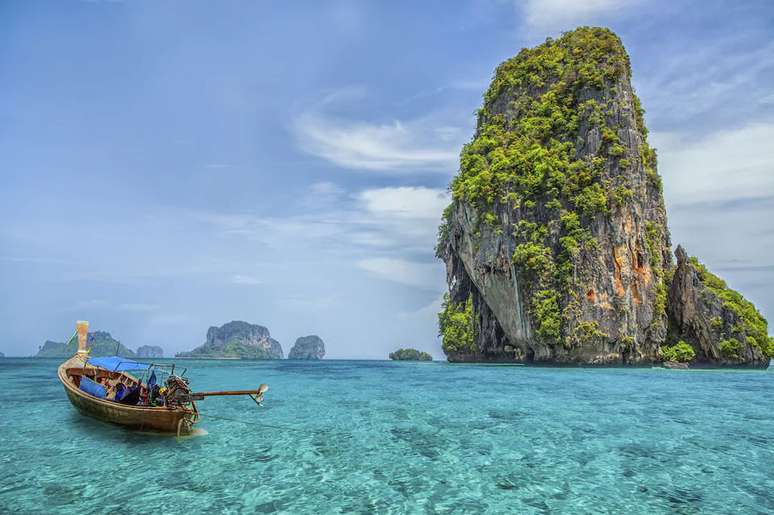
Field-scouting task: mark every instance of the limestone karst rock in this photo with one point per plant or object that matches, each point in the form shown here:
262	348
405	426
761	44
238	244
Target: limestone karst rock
308	347
556	243
237	339
722	327
150	351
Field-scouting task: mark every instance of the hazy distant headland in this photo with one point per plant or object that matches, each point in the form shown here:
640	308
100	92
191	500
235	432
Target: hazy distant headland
234	340
556	242
101	343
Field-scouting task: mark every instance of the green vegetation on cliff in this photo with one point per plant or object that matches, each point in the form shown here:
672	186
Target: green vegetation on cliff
681	352
530	158
234	348
525	156
457	327
237	340
410	355
750	324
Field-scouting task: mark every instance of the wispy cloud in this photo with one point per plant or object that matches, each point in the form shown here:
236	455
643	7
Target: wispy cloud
406	202
726	165
564	14
428	142
719	83
394	146
247	280
392	219
422	275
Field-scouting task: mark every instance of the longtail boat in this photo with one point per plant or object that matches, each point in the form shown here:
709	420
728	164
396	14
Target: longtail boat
104	389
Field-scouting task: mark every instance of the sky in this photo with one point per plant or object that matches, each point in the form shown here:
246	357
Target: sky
170	166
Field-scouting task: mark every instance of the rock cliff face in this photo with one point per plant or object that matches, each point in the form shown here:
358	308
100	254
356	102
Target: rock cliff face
101	343
308	347
150	351
720	325
556	243
237	340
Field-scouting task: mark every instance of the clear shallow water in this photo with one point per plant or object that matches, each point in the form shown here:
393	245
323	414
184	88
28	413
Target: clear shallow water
349	436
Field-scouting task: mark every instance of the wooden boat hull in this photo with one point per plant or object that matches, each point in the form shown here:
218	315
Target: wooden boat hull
162	419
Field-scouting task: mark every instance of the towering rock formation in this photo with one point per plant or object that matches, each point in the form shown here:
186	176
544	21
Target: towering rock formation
237	340
308	347
556	243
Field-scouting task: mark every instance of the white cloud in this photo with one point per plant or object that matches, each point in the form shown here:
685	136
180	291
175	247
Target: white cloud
400	219
729	164
428	312
326	188
719	192
422	275
725	76
415	203
565	14
397	146
247	280
323	195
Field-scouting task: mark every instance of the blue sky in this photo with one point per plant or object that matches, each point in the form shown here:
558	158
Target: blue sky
168	166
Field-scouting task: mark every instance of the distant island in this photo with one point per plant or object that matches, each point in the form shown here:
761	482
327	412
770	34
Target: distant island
410	355
237	340
101	343
2	355
150	351
308	347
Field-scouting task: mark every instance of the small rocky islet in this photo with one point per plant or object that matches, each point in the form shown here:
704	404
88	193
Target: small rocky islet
409	354
150	351
556	243
237	340
243	340
309	347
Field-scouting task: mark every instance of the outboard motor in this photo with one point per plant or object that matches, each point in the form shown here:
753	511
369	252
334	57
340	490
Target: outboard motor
178	393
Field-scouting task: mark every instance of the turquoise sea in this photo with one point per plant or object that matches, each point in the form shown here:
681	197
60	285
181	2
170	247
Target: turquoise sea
384	437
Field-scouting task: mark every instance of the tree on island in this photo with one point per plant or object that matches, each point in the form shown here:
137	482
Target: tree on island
410	355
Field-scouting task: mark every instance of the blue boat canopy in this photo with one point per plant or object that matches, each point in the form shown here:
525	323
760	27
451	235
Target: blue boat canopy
117	364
